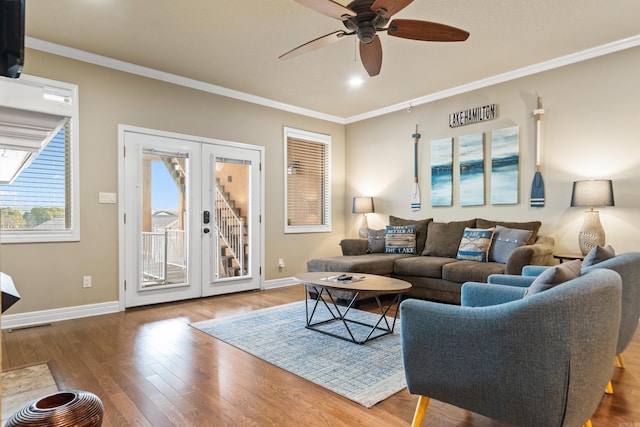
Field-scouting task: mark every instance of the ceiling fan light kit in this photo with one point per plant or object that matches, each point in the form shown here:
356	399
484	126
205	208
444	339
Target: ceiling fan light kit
364	19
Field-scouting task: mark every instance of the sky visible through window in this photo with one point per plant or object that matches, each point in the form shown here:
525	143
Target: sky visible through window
164	192
42	183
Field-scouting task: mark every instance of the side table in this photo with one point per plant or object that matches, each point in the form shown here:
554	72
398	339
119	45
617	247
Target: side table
568	257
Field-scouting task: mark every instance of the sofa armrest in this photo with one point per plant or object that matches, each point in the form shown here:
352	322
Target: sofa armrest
354	246
475	294
540	253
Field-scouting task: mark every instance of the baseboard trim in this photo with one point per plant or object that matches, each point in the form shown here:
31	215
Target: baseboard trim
33	318
279	283
10	321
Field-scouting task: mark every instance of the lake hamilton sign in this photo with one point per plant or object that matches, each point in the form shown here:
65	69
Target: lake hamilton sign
472	115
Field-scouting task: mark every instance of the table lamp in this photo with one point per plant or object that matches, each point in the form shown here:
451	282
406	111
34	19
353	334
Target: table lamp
592	193
363	205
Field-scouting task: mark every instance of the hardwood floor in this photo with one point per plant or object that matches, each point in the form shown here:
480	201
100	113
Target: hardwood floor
150	368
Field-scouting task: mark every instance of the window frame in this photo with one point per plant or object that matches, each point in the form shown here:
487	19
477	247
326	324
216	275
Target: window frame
316	138
33	93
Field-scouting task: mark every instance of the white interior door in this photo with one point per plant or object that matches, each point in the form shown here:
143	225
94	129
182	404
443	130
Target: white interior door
175	236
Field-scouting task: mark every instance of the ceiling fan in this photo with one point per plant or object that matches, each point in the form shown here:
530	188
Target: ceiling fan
364	18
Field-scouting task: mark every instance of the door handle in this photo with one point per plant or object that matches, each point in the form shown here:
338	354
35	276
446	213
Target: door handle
206	217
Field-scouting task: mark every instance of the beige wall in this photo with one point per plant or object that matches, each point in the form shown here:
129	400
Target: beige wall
50	275
590	130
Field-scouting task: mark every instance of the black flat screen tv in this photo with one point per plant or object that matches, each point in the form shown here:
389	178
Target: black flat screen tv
11	38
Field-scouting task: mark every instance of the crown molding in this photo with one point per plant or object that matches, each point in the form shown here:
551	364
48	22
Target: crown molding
104	61
551	64
115	64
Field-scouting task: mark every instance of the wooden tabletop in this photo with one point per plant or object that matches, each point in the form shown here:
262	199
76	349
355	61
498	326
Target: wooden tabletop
368	282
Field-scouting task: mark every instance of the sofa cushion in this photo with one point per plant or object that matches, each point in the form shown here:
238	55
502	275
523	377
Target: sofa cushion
598	254
471	271
400	239
421	229
505	240
423	266
381	264
475	244
554	276
443	238
375	241
534	226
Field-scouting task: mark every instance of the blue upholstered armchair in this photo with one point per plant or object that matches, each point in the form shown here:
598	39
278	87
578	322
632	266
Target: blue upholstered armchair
626	264
543	360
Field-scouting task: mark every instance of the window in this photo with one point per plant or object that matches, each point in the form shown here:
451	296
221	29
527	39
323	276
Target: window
40	202
307	182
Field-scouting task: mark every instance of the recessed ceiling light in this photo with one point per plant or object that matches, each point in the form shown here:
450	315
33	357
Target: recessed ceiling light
356	81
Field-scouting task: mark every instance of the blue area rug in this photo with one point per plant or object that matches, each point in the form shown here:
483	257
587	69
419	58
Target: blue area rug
366	374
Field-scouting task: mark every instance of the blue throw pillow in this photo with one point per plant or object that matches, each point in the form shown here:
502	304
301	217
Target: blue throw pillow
598	254
505	240
475	244
554	276
400	239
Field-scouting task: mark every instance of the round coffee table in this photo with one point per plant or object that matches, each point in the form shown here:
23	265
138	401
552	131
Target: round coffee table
322	284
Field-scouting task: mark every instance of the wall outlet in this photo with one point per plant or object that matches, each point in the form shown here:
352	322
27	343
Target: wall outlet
280	263
86	281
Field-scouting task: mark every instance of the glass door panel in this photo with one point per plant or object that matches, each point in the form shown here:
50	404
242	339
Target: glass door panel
231	219
164	226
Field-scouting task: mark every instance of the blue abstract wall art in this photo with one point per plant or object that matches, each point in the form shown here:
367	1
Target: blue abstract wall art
442	172
505	159
471	169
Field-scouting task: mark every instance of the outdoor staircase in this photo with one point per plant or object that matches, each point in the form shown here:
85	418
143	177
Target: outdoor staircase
232	235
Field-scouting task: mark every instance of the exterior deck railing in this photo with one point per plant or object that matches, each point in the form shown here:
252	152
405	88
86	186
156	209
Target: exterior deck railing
164	257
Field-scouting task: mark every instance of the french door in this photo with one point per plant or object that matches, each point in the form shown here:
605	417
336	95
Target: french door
191	210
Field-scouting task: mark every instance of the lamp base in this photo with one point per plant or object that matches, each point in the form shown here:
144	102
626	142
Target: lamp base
591	234
363	231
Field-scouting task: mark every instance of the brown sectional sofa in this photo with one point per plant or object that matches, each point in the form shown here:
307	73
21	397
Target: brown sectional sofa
434	271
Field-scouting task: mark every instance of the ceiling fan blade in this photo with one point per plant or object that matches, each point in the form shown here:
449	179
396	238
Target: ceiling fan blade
425	31
328	7
314	44
371	56
390	6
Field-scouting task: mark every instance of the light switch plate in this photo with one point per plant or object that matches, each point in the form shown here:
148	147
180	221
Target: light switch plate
107	197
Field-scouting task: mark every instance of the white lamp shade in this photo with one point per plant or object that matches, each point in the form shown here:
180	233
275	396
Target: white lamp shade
362	205
593	192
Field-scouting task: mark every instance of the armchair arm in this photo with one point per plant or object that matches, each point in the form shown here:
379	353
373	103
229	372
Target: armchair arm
476	294
533	270
540	253
354	246
510	280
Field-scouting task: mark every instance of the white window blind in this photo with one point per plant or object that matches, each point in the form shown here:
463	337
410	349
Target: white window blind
307	182
38	197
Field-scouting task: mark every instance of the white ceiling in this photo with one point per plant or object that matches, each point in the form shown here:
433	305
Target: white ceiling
235	44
